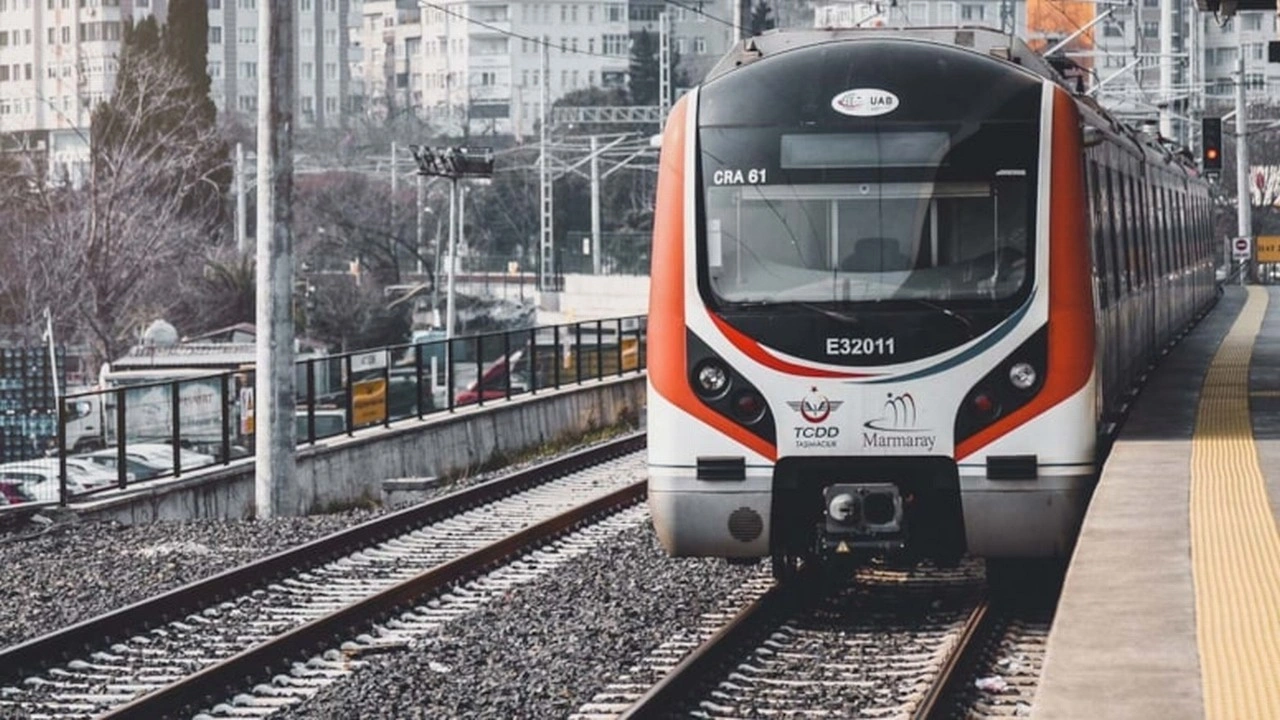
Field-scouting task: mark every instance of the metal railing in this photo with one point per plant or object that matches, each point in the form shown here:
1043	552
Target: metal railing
113	437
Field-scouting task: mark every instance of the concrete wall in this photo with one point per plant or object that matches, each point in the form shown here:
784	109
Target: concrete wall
347	470
588	297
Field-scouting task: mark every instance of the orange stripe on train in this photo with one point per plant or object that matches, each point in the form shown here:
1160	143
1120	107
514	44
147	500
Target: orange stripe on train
667	356
1071	340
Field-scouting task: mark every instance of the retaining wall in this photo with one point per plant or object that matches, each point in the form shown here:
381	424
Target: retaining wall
343	471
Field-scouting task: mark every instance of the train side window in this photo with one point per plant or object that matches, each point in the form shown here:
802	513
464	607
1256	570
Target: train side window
1135	228
1124	240
1140	220
1095	224
1113	235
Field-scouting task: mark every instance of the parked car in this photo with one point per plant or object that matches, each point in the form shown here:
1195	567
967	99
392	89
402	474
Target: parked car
135	466
38	479
161	454
329	422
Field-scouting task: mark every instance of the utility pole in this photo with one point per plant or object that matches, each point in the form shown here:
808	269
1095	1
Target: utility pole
395	189
546	236
595	206
1166	68
421	231
664	66
1244	219
737	23
276	489
242	188
454	210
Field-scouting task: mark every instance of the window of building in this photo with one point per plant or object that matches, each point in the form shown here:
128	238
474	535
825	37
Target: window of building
973	12
331	37
680	47
573	44
1151	29
947	13
4	73
215	4
248	70
591	13
564	13
215	35
700	45
52	40
248	103
215	70
1113	28
247	35
591	78
308	71
304	5
573	13
308	104
26	71
617	13
331	104
248	4
917	13
331	71
331	5
1252	21
591	45
308	36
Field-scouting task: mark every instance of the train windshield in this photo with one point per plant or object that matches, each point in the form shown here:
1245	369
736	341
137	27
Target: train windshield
866	217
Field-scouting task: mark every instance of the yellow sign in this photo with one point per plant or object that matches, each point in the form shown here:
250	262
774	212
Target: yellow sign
368	402
1268	249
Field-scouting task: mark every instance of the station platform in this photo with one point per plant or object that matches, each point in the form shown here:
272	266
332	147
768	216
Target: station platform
1171	604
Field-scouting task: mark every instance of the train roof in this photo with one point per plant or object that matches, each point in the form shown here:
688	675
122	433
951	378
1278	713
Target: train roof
981	40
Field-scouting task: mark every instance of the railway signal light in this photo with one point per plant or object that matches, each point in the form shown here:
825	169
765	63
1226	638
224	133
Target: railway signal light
1211	144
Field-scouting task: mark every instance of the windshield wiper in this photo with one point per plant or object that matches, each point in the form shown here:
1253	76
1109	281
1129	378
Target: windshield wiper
968	326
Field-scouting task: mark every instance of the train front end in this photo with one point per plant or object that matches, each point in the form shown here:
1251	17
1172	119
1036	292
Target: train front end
871	326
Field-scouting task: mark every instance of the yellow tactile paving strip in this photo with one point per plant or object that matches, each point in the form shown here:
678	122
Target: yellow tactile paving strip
1235	545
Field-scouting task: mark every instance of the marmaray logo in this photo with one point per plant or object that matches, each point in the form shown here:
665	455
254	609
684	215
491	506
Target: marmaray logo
896	428
815	408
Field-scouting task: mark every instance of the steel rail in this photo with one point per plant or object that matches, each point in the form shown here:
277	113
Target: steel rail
221	679
951	674
32	657
706	657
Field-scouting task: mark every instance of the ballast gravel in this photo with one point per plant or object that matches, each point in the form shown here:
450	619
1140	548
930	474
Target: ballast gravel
57	573
71	572
546	648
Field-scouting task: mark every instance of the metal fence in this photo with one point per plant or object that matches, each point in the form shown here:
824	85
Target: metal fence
110	438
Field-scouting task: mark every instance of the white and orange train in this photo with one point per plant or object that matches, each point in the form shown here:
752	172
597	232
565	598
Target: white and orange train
902	281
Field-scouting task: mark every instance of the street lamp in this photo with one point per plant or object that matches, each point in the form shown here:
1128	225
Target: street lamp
454	163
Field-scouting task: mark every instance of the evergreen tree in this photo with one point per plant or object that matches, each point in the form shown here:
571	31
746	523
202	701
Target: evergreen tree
643	76
645	80
186	42
762	18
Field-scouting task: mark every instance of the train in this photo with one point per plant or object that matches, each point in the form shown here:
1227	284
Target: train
904	283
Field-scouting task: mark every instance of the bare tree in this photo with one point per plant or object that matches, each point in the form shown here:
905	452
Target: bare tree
106	256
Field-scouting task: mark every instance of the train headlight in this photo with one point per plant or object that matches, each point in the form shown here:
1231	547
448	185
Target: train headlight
1022	376
843	508
712	379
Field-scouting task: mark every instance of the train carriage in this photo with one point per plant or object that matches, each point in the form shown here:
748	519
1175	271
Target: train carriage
903	282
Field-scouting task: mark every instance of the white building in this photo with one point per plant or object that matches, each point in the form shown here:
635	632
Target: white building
481	59
389	74
700	34
1007	15
1221	52
57	62
324	58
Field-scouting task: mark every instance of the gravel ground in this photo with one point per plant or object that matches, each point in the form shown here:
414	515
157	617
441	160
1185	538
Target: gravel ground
76	571
547	648
59	574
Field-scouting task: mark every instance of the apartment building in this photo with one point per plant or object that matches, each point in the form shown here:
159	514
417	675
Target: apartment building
387	77
701	30
481	59
1221	51
1007	15
57	62
325	56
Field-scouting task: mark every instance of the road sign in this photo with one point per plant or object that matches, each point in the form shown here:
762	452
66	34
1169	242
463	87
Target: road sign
1269	248
1242	248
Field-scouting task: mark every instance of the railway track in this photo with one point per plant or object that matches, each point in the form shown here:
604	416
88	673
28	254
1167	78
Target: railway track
892	644
184	650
